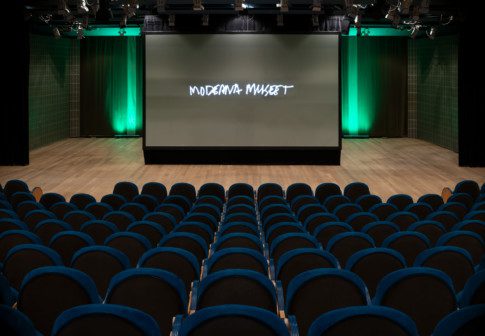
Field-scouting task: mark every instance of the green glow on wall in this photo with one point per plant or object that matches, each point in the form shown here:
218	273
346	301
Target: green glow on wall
107	31
379	31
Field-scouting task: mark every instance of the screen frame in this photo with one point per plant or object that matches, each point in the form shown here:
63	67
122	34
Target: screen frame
244	154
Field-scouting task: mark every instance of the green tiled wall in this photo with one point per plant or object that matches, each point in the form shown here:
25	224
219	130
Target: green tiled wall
433	90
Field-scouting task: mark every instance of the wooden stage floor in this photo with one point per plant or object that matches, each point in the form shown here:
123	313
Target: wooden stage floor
388	166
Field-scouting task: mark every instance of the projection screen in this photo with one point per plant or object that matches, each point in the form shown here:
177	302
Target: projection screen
242	90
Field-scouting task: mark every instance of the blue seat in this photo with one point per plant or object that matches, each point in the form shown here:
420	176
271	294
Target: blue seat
456	208
471	225
60	209
319	218
187	241
403	219
126	189
24	208
22	259
203	218
182	201
148	201
466	321
67	243
302	200
209	209
173	209
101	263
121	219
355	190
282	228
434	200
474	291
77	218
104	319
184	189
343	211
249	209
325	190
232	319
241	240
270	200
401	201
448	219
49	199
479	206
159	293
366	320
165	220
291	241
212	189
240	189
13	186
456	262
236	258
380	230
150	230
368	201
12	238
133	245
408	243
373	264
15	323
48	228
48	291
383	210
81	200
470	241
22	196
234	287
301	260
99	209
155	189
319	291
114	200
34	217
344	245
240	217
99	230
308	210
5	205
420	209
298	189
238	227
333	202
238	200
216	201
360	219
326	231
274	209
137	210
476	215
201	229
7	224
278	218
469	187
463	198
178	261
425	294
7	295
269	189
431	229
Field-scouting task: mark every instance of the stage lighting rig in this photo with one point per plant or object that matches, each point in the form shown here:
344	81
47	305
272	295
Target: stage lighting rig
129	10
82	7
432	33
161	6
239	5
205	20
317	6
283	5
56	33
198	5
62	8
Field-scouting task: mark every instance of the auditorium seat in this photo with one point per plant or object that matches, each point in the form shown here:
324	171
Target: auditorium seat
203	218
274	209
126	189
241	240
49	199
7	295
234	287
209	209
21	196
150	230
148	201
156	292
424	294
276	219
12	238
456	262
46	229
182	201
368	201
434	200
364	321
326	231
184	189
22	259
212	189
315	220
468	321
121	219
456	208
380	230
231	201
25	207
236	258
332	202
291	241
240	189
420	209
241	208
133	245
77	218
187	241
234	320
268	189
238	227
325	190
431	229
104	319
360	219
400	201
408	243
474	291
344	211
34	217
98	209
373	264
448	219
302	200
7	224
99	230
282	228
403	219
15	323
175	260
173	209
297	189
318	291
467	240
476	215
137	210
301	260
165	220
344	245
355	190
114	200
13	186
60	209
67	243
217	202
155	189
101	263
271	199
48	291
465	199
81	200
383	210
201	229
468	187
471	225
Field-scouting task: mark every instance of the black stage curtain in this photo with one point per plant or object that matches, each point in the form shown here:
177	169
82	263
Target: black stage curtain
111	86
14	118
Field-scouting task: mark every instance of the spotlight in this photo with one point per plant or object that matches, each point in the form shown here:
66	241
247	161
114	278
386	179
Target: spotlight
317	6
432	33
393	16
415	31
56	33
283	5
198	5
129	10
279	20
80	31
82	7
315	20
171	20
239	5
357	21
62	8
161	6
205	20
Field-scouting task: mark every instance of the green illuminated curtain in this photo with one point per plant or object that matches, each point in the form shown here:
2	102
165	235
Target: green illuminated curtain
374	86
111	86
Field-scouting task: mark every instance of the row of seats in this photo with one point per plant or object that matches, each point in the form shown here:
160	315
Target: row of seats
225	239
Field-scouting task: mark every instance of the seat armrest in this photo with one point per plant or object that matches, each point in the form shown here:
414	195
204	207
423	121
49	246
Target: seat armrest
176	325
193	297
280	300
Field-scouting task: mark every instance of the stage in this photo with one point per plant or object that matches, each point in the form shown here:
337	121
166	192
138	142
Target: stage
388	166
